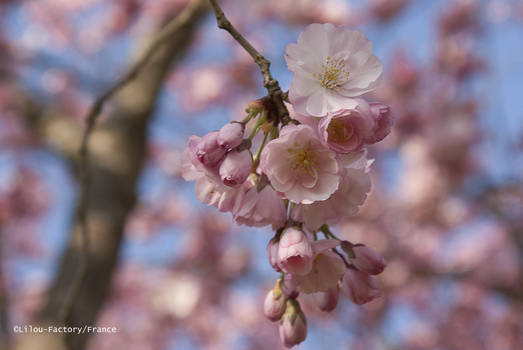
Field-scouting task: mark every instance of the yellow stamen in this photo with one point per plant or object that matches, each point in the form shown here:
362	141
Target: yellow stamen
302	160
334	74
338	131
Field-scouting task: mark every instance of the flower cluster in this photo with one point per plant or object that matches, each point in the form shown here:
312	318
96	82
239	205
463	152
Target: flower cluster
305	175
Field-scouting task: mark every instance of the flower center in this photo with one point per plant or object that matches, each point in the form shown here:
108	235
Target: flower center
334	74
302	160
339	131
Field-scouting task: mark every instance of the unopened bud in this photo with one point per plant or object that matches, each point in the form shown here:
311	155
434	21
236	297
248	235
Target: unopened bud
384	120
295	253
360	287
368	260
231	135
274	304
236	167
208	151
293	324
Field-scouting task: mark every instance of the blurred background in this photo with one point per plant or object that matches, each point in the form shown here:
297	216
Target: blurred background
170	273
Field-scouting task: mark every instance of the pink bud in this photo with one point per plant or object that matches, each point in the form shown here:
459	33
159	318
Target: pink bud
368	260
231	135
327	301
295	253
293	325
208	152
359	287
383	117
272	252
274	304
236	167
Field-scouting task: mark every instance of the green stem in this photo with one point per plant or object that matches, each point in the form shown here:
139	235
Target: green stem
258	124
249	116
256	159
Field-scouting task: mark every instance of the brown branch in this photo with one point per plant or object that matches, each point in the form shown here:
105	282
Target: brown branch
159	40
116	156
273	87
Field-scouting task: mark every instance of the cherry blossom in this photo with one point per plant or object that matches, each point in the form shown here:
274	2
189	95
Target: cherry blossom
300	177
352	192
326	270
347	130
260	208
331	66
299	166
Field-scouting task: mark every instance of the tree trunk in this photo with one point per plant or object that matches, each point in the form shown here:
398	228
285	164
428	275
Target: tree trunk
117	152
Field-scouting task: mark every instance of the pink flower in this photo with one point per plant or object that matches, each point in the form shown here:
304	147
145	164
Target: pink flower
326	269
260	208
236	167
327	301
295	252
298	165
331	66
293	325
192	168
368	260
383	117
359	286
231	135
346	130
352	192
207	150
225	198
274	303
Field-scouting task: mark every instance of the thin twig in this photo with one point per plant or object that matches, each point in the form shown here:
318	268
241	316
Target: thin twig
158	41
271	84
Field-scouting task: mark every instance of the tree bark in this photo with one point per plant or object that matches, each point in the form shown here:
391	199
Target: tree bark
117	152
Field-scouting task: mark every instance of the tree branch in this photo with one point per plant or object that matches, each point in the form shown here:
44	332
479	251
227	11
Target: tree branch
273	87
158	41
111	166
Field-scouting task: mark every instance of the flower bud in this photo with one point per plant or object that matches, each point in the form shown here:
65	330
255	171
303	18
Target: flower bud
272	252
236	167
274	304
327	301
231	135
368	260
383	117
295	253
208	152
293	325
359	287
